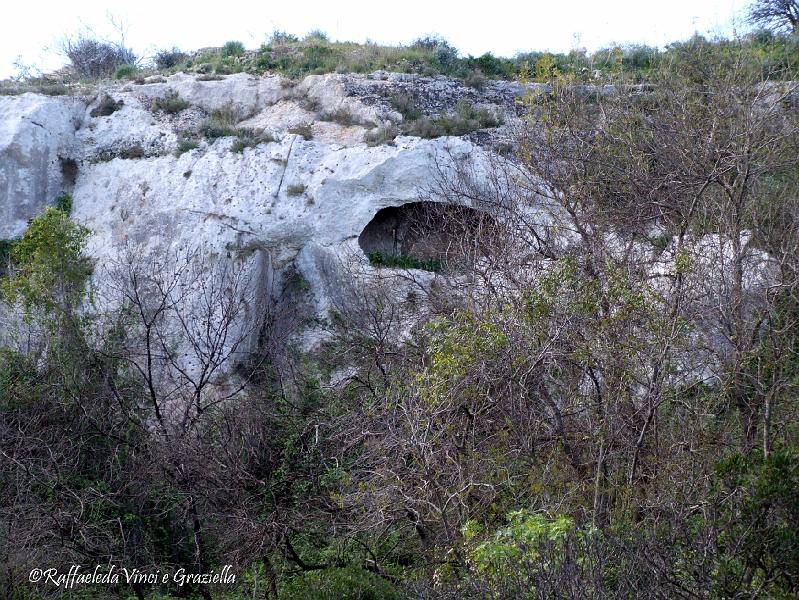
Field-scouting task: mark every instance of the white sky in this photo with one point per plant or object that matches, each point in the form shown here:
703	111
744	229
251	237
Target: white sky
503	27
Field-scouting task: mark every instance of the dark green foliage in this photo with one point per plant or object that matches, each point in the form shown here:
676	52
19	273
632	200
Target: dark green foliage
44	88
214	128
492	66
381	135
379	259
6	247
444	54
166	59
132	152
223	123
64	203
316	35
282	37
759	520
17	376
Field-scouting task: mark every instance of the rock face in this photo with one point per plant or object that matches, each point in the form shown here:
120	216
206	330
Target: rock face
279	202
275	177
37	149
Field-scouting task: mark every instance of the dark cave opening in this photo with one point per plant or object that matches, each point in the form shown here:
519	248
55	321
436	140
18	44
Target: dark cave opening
425	235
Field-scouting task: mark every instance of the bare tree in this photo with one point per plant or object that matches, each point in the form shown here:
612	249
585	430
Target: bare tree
779	15
94	57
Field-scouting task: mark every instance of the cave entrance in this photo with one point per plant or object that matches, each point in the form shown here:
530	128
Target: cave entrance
424	235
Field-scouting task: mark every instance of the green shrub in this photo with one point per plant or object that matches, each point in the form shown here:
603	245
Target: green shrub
130	152
232	48
282	37
17	376
49	268
517	545
6	247
492	66
465	119
213	129
247	138
442	54
171	104
166	59
125	71
64	203
759	521
46	89
316	35
221	123
297	189
186	144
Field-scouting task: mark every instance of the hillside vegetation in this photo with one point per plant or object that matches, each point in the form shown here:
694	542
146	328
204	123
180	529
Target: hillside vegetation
315	54
591	393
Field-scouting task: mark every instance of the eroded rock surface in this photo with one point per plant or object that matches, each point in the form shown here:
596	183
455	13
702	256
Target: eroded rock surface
37	148
294	197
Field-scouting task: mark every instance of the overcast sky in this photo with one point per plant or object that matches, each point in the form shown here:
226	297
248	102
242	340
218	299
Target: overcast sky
504	27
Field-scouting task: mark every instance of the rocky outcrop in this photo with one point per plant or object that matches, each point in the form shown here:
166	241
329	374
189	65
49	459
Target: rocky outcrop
275	176
294	198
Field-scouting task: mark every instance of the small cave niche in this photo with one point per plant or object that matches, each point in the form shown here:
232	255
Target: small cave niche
424	235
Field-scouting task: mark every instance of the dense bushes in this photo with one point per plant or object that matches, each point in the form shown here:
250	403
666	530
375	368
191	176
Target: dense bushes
432	56
166	59
317	54
464	119
429	56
